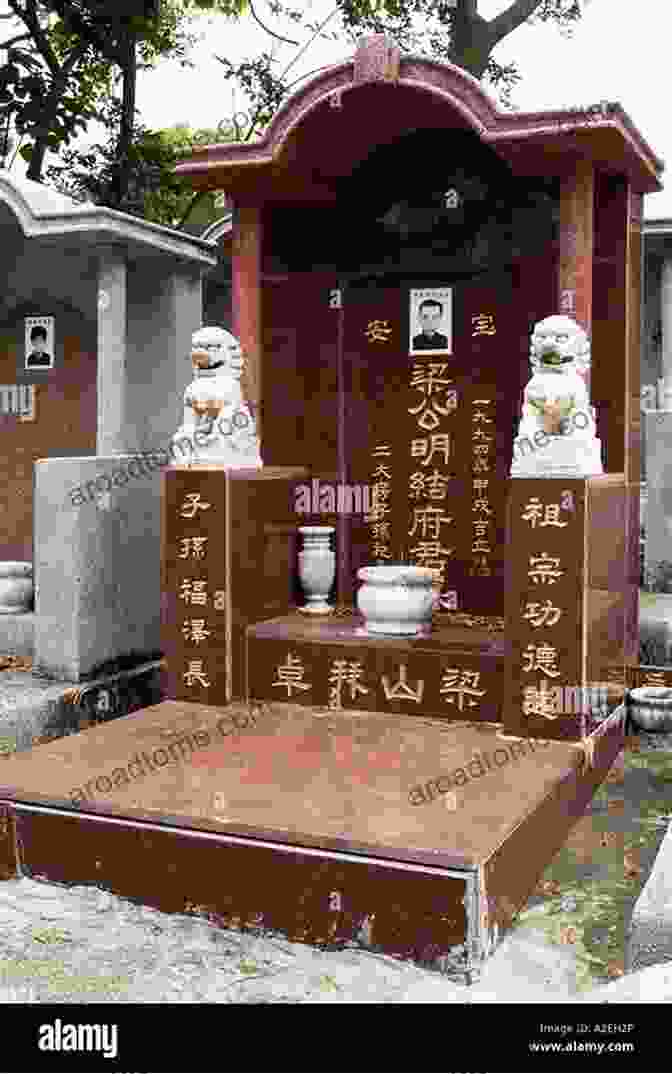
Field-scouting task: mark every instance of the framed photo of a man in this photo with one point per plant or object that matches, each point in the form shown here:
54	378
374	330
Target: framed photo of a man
431	321
39	342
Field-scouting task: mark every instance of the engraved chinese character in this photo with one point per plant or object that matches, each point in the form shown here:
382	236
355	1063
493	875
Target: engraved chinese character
193	592
545	568
195	545
478	434
480	484
378	331
380	551
437	442
291	675
430	553
345	673
220	600
481	529
540	701
461	684
380	531
381	449
429	520
194	630
480	466
426	378
484	324
401	691
480	546
382	471
480	449
432	486
548	513
195	672
483	506
542	658
481	416
541	615
654	678
193	504
481	567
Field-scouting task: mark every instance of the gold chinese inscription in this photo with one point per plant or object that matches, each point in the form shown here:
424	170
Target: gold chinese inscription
401	691
541	701
192	504
290	675
428	379
459	684
483	324
196	673
482	440
545	514
545	569
654	678
345	673
379	524
378	331
194	630
538	614
192	547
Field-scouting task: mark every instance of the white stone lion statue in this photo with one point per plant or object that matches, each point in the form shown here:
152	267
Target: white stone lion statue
556	434
217	420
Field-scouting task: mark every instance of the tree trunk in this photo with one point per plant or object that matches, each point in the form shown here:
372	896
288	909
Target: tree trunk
41	135
127	125
471	42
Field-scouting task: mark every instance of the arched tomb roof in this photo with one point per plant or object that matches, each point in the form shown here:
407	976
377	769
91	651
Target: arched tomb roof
329	125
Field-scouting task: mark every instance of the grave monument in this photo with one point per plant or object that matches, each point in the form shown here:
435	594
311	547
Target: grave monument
385	312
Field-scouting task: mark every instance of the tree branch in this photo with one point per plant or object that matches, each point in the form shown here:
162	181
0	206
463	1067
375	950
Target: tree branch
514	16
30	19
13	40
271	32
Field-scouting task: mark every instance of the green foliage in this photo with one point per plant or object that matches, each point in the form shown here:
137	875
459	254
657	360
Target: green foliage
153	190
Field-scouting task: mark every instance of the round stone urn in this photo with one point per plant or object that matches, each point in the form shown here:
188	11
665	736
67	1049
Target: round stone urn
317	568
650	708
396	599
16	588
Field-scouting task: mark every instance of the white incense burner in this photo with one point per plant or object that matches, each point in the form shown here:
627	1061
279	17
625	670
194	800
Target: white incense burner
396	599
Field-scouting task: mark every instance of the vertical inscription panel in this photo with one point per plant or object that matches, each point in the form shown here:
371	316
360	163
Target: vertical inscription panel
544	605
194	604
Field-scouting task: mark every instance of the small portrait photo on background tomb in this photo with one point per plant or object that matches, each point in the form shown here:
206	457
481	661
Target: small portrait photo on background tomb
431	321
39	342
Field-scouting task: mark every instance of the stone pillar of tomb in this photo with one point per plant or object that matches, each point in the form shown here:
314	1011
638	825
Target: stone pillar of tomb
110	438
575	276
247	323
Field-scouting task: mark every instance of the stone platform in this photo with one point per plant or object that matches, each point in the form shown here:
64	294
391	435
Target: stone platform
305	821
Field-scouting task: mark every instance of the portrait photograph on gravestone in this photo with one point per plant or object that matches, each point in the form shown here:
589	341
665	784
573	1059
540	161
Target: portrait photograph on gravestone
430	311
39	342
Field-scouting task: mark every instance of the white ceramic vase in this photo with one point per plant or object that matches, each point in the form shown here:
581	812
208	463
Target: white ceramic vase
16	587
396	599
317	568
651	708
